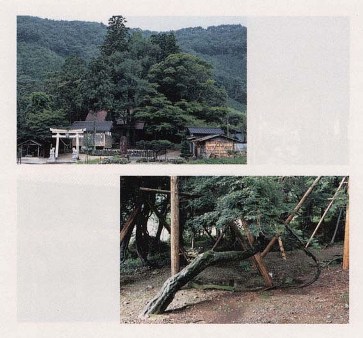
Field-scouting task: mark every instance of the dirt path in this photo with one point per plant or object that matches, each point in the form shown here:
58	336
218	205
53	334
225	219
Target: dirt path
325	301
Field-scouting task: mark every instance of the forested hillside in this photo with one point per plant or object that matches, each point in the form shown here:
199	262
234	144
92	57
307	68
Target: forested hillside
43	45
193	76
225	47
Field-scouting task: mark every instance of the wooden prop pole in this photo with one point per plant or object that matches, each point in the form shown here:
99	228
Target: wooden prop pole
291	216
174	229
346	241
257	259
326	211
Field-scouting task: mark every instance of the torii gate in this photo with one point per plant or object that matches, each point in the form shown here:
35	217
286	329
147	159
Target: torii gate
66	133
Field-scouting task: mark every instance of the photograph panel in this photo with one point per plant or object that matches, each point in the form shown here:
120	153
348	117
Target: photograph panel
96	93
234	249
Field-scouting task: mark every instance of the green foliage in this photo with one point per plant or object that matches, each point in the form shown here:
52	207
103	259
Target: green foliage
161	117
115	160
185	77
132	74
40	117
167	45
185	149
225	47
228	160
117	36
155	145
264	202
67	86
64	38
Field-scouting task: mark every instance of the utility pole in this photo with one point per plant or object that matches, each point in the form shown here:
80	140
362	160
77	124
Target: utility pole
175	228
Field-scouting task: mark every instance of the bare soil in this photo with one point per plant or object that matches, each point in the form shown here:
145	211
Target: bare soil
324	301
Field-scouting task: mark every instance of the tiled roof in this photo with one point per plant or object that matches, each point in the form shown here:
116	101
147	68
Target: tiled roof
91	125
30	142
99	116
206	131
209	137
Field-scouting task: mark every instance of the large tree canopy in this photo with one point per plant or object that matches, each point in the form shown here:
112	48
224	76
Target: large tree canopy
186	77
134	76
40	116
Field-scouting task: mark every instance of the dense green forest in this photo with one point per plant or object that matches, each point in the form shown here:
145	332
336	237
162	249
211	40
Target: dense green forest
193	76
264	203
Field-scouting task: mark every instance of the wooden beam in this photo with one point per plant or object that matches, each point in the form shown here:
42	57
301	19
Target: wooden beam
175	229
129	223
346	241
336	226
282	250
257	258
291	216
326	211
219	238
161	191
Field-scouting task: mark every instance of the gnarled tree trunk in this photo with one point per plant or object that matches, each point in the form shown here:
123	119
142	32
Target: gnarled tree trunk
166	295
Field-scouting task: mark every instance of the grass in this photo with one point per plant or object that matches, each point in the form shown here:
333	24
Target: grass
227	160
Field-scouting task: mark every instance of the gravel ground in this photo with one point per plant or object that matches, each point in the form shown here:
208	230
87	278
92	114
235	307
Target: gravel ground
325	301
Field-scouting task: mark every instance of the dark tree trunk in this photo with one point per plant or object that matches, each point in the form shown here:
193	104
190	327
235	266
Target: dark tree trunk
166	295
124	245
142	235
158	233
126	232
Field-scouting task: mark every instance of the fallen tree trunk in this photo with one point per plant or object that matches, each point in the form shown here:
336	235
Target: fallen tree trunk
166	295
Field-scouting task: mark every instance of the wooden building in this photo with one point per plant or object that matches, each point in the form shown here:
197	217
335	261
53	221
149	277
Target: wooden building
30	148
197	132
97	133
214	146
132	130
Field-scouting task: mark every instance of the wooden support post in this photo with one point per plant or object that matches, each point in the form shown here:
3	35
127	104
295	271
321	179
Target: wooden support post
325	212
219	238
129	223
346	241
282	250
257	258
291	216
174	231
336	226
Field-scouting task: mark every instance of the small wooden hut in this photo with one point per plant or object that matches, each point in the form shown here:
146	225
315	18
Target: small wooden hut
214	146
29	148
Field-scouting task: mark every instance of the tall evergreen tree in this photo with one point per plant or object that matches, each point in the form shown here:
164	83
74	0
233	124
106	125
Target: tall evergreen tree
117	36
